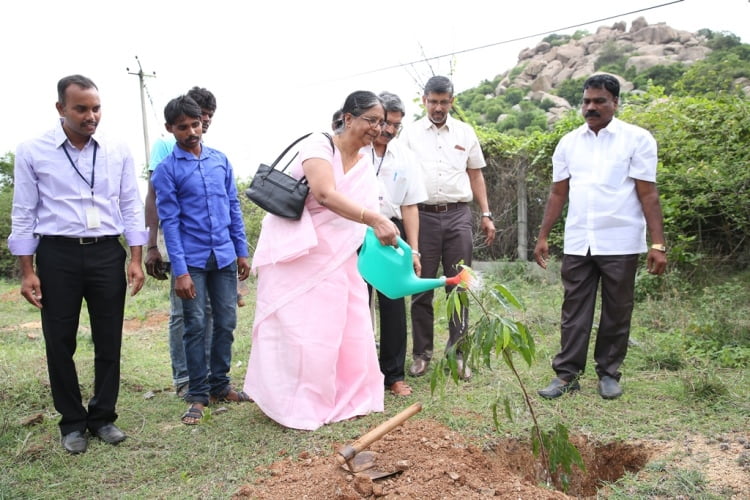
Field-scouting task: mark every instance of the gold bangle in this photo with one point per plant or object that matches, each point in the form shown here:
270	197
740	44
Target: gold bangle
362	216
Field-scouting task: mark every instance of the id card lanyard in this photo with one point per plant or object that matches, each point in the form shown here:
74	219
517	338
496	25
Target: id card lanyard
92	214
377	174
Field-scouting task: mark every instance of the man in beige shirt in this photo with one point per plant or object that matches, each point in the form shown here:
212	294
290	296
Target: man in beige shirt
451	160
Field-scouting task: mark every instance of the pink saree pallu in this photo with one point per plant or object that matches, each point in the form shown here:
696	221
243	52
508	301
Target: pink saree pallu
313	359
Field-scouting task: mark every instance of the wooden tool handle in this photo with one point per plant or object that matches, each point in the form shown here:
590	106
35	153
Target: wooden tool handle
348	452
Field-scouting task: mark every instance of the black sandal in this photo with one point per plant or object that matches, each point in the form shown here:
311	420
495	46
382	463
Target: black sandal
193	415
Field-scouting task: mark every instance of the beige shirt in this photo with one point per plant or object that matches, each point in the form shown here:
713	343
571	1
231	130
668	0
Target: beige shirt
444	155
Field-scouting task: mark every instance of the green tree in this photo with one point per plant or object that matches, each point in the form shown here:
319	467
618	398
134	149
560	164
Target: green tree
663	75
571	90
8	267
6	169
704	177
715	74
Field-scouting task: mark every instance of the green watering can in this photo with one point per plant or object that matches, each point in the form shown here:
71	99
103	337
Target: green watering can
390	270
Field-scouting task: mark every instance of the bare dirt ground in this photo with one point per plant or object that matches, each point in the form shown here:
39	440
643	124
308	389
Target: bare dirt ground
433	462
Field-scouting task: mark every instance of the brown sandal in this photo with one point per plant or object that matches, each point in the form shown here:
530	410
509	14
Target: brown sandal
400	388
231	395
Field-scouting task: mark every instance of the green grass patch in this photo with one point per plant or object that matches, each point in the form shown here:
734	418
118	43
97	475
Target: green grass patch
671	389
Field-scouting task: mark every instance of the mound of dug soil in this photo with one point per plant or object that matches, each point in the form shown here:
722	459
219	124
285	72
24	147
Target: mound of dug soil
428	461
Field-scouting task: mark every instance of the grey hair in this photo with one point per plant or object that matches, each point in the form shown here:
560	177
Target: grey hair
392	103
356	104
438	85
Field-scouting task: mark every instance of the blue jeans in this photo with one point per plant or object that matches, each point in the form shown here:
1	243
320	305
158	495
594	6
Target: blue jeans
180	375
209	374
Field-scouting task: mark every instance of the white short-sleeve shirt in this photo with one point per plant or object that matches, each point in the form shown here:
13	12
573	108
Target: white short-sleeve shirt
399	178
605	214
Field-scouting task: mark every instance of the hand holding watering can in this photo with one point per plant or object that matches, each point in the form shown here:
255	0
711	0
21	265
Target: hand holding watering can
389	269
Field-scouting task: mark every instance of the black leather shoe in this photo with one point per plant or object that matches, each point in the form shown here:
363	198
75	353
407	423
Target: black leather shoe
418	367
609	388
557	387
75	442
109	433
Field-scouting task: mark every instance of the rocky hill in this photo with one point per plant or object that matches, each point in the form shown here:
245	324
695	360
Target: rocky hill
544	67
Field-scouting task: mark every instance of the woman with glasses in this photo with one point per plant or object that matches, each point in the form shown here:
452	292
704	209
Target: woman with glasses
313	359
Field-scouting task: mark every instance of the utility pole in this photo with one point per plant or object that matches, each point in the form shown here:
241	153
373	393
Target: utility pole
141	75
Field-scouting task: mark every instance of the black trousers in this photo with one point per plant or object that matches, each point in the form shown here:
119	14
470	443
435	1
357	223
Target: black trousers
70	272
581	277
392	331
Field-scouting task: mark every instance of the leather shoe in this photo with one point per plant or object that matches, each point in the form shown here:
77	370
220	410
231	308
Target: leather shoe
109	433
609	388
464	372
418	367
75	442
557	387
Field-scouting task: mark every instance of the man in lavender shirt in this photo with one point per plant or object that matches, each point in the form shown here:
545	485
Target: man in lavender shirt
75	193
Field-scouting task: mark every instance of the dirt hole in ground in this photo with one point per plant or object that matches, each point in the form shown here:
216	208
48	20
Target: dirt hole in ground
431	461
605	463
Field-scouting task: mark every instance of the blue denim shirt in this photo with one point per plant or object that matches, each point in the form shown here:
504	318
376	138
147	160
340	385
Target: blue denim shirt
196	198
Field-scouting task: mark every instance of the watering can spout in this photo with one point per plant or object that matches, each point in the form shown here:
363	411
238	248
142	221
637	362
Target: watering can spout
390	270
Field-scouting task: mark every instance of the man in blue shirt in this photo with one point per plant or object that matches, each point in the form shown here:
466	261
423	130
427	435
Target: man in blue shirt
156	267
196	200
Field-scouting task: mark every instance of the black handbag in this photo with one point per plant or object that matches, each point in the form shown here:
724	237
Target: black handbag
276	192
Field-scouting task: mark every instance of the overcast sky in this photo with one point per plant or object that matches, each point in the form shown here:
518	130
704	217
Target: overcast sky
279	69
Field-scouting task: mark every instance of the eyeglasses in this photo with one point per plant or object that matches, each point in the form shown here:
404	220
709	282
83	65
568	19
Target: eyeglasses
373	122
396	126
434	102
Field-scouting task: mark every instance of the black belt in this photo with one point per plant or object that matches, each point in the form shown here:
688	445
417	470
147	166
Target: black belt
80	241
443	207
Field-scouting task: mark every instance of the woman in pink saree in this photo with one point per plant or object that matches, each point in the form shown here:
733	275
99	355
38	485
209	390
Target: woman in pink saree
313	359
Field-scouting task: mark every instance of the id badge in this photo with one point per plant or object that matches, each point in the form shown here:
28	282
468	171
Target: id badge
92	218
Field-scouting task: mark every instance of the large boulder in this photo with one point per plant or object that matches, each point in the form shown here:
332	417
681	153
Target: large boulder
541	83
546	66
558	102
638	24
692	54
641	63
656	34
566	53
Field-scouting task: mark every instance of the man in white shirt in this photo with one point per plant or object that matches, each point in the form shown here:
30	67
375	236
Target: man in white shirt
606	171
401	188
451	160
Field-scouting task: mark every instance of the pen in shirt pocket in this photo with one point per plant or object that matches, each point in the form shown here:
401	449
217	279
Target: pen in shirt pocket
459	147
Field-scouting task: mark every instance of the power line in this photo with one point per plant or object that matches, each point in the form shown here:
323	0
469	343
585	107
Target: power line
535	35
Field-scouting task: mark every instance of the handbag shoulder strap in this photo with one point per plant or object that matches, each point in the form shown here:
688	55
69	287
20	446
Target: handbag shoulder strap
283	153
330	139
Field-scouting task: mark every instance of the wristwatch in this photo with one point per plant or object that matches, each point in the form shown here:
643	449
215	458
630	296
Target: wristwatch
487	214
659	246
